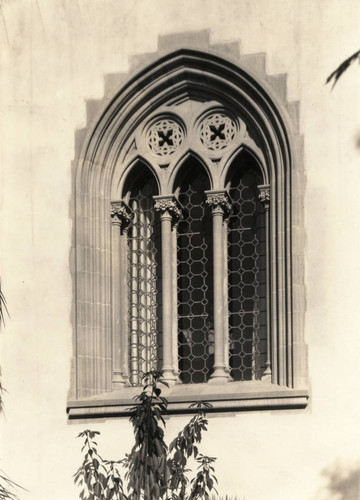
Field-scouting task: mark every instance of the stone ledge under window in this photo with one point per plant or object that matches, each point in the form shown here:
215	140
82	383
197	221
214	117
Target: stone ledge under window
233	396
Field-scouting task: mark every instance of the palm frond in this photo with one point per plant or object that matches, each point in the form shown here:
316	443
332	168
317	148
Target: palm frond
3	308
227	497
340	70
7	487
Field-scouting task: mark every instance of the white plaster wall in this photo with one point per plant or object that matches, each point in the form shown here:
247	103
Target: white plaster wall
54	54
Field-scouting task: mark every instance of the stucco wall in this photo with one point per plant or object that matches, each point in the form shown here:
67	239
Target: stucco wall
54	55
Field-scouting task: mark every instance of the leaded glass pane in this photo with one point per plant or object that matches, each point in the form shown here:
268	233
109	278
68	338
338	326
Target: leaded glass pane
144	283
246	278
195	293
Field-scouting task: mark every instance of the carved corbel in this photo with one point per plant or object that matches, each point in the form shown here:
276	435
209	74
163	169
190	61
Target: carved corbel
264	195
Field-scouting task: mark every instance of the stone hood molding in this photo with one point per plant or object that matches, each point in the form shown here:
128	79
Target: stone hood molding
155	116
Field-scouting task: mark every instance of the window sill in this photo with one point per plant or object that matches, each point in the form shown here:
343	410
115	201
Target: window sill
233	396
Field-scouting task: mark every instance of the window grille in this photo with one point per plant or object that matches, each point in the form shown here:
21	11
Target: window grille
144	282
195	294
247	278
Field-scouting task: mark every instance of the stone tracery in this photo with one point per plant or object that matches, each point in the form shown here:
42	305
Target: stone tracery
164	137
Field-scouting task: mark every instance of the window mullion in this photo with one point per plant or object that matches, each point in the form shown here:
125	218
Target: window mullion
226	295
175	354
120	218
219	203
264	197
169	212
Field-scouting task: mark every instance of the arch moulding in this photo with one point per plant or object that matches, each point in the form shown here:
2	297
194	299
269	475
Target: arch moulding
183	87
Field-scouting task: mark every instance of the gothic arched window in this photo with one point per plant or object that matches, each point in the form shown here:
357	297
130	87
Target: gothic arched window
194	279
185	262
144	280
247	296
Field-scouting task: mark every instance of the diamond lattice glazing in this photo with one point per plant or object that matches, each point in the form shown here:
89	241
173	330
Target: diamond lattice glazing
144	284
195	316
247	278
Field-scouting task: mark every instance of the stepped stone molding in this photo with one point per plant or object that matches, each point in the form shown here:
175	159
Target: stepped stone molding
186	69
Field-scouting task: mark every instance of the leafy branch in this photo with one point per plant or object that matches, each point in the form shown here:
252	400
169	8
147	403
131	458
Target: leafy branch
153	471
203	483
147	472
96	477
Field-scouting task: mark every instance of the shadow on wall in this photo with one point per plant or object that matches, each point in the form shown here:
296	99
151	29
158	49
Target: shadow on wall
357	140
343	483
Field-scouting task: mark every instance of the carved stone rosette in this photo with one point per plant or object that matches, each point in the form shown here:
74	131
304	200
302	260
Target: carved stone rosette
217	131
121	214
165	136
264	195
219	202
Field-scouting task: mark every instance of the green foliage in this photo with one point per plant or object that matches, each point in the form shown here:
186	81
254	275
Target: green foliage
152	470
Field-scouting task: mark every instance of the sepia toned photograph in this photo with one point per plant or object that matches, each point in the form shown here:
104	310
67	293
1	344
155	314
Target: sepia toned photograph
179	253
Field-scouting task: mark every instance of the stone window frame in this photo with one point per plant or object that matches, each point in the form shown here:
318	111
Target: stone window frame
198	83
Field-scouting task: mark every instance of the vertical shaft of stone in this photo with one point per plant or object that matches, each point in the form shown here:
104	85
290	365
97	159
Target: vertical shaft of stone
264	197
174	301
219	365
116	300
170	211
219	203
226	295
166	218
124	297
120	218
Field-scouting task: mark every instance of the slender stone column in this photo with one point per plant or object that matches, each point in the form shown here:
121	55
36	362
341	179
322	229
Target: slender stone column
169	209
175	347
219	202
264	197
121	216
226	296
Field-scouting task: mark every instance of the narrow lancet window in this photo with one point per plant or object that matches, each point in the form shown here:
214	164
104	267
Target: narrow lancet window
144	282
247	276
195	288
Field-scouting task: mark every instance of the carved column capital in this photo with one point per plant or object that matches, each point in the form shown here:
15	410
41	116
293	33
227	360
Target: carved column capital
264	195
168	206
219	202
121	214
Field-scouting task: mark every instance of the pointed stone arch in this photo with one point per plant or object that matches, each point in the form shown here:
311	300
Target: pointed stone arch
113	142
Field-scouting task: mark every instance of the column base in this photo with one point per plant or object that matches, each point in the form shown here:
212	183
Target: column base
219	376
119	381
169	377
177	377
266	377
